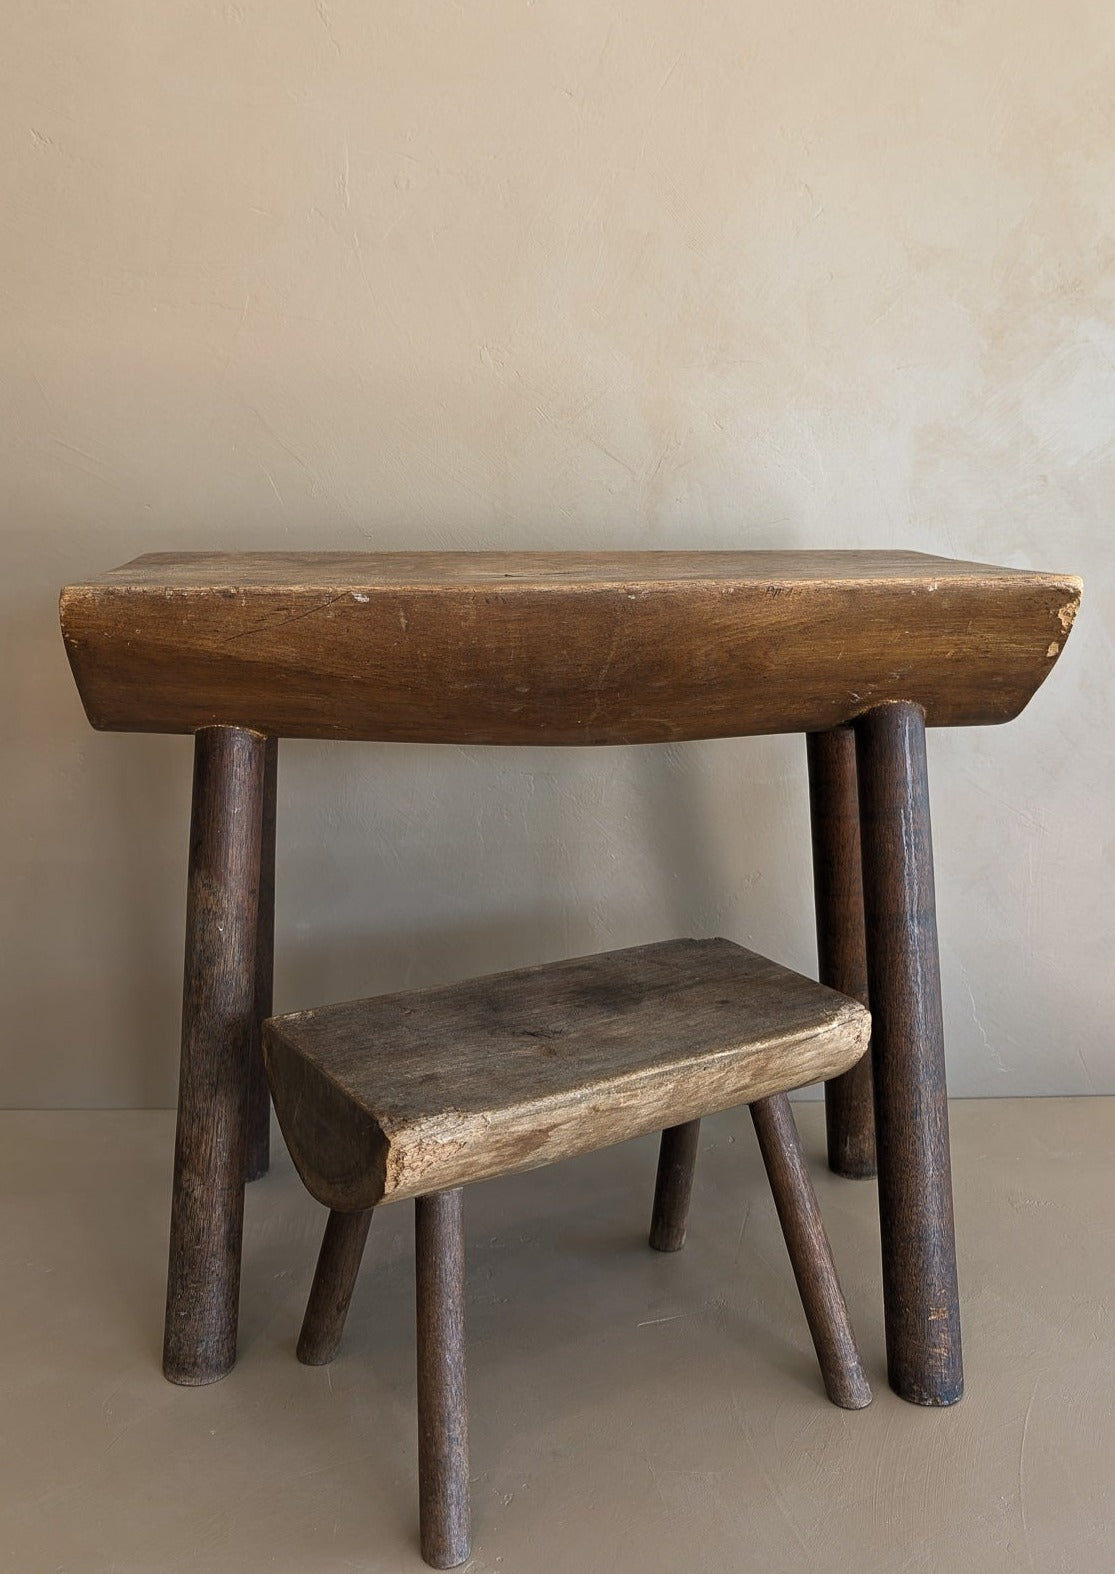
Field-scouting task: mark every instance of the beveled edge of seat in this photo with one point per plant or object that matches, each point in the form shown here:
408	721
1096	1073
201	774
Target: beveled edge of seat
354	1152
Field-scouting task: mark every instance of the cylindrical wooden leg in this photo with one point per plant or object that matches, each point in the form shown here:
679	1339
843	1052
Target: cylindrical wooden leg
442	1403
207	1214
911	1110
338	1266
810	1253
259	1099
841	948
677	1159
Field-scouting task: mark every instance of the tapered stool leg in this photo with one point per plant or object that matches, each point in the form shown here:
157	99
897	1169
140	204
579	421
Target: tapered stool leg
258	1153
442	1402
338	1266
677	1159
921	1301
810	1253
841	946
207	1213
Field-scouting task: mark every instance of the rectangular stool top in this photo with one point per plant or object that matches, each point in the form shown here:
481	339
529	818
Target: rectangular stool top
556	647
412	1093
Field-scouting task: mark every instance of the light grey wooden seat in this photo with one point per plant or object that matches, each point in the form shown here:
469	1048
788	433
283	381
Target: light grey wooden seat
418	1094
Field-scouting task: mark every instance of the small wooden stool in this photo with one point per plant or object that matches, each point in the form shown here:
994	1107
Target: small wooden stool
417	1094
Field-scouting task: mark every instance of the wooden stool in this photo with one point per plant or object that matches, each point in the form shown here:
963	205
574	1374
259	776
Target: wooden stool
417	1094
859	650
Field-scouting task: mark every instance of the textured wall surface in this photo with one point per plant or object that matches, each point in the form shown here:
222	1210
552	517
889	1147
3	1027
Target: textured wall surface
515	273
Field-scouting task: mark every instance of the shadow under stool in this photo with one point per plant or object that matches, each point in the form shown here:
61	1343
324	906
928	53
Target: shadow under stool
418	1094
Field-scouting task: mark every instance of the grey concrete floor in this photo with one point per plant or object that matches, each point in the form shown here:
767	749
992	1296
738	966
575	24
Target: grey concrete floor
631	1413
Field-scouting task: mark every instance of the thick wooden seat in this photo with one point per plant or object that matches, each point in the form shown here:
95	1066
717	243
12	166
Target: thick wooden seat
414	1095
418	1092
556	647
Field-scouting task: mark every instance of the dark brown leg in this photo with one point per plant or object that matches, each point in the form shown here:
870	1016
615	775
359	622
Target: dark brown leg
810	1253
338	1265
259	1100
911	1111
841	949
207	1214
677	1159
442	1402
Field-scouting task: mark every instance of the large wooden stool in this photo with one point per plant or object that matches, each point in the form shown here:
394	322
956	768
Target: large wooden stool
417	1094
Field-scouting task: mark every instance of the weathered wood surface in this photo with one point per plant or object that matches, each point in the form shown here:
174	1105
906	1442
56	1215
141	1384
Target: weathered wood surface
566	648
920	1297
810	1253
443	1489
207	1211
542	1063
841	946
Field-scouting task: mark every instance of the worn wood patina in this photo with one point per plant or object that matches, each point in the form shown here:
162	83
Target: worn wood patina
556	647
543	1063
416	1094
582	648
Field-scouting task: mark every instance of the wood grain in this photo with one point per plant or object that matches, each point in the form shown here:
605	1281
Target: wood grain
542	1063
207	1212
810	1254
920	1297
841	945
565	648
443	1487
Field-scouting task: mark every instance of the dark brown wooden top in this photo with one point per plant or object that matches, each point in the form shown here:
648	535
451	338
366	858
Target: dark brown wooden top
533	647
412	1093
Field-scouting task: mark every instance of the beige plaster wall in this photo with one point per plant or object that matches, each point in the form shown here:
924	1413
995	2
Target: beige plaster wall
519	273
